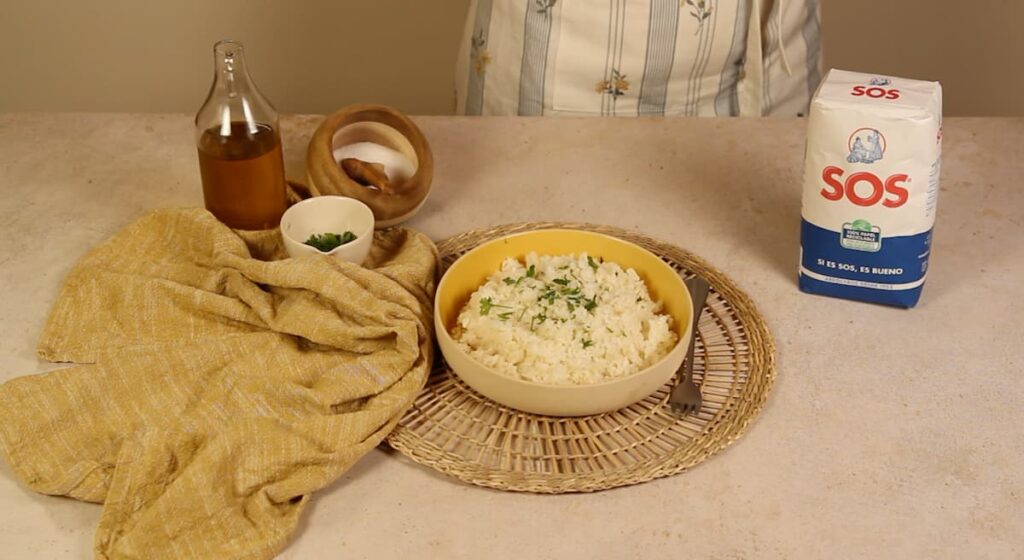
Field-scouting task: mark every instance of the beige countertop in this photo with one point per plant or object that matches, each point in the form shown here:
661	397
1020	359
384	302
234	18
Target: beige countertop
890	433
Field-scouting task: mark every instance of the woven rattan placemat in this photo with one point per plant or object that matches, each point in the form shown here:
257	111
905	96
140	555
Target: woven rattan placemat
455	430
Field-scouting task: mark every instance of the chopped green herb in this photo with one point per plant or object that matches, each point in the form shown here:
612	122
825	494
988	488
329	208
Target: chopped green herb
505	316
587	343
509	280
538	319
590	261
570	306
531	272
561	281
329	241
590	304
549	295
487	303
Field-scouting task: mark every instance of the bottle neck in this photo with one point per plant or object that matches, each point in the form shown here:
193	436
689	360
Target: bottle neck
233	78
229	58
234	104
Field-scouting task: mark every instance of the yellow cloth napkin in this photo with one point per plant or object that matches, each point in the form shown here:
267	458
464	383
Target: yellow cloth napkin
224	385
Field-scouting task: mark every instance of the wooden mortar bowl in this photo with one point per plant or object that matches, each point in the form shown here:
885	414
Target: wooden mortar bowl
381	125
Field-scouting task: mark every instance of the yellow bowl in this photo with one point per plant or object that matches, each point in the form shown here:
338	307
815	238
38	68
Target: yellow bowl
471	270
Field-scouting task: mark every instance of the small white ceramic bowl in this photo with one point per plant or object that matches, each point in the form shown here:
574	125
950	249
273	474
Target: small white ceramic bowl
472	269
328	214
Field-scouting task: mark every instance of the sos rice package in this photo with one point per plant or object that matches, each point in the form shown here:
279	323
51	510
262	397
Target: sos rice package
871	181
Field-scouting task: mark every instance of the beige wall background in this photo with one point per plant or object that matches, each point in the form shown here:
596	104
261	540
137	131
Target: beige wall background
313	56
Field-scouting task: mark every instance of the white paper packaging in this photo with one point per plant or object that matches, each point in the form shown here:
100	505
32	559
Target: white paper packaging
871	180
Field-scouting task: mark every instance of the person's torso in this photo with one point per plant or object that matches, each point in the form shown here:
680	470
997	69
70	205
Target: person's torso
609	57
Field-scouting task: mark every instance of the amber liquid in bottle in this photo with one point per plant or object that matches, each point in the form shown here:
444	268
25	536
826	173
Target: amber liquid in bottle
243	176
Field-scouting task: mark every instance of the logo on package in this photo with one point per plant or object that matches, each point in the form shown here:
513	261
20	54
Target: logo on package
860	235
877	88
866	145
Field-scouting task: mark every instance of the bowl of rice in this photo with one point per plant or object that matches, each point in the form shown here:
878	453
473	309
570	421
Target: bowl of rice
562	322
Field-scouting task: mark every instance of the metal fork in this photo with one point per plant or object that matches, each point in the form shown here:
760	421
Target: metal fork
686	397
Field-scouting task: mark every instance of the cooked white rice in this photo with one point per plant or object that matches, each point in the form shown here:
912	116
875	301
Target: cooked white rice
567	319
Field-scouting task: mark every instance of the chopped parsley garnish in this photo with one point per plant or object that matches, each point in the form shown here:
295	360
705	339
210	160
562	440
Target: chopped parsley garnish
587	343
538	319
487	303
327	242
549	291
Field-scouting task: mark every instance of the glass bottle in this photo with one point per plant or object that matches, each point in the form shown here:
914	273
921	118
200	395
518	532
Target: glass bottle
239	147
